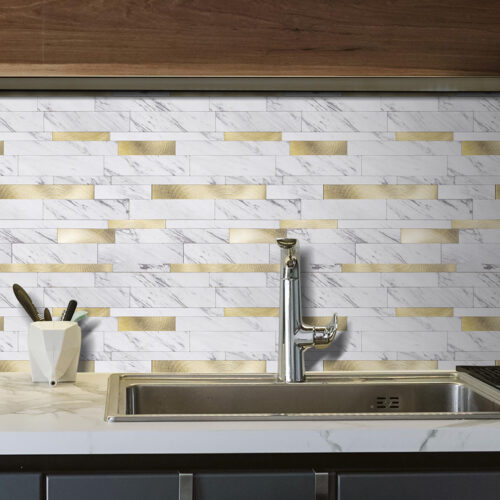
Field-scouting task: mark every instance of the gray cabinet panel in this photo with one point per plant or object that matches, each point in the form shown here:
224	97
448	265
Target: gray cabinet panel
420	486
19	486
113	486
254	486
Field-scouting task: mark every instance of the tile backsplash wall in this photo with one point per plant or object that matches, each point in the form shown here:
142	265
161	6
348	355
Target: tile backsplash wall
159	214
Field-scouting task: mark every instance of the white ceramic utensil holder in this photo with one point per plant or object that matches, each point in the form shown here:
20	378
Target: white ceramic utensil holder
54	349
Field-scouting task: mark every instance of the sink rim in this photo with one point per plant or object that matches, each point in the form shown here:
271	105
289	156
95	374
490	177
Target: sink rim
115	410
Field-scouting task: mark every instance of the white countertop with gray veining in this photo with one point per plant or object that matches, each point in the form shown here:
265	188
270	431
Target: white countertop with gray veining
69	419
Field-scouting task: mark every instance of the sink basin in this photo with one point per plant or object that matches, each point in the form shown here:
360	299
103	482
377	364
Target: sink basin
431	395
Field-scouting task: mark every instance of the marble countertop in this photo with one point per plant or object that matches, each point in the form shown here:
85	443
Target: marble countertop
69	419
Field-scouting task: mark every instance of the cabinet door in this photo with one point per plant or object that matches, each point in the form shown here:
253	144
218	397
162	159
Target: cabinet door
113	486
19	486
420	486
254	486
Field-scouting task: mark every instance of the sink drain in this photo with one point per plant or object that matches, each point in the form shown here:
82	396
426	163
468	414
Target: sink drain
387	402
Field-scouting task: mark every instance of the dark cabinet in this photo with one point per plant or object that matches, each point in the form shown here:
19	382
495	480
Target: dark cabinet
255	486
113	486
420	486
17	486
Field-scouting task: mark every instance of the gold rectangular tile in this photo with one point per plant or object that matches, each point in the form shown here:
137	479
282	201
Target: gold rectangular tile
56	268
146	147
208	192
208	366
481	323
252	136
378	365
237	235
86	366
15	366
424	136
80	136
309	224
146	323
399	268
324	320
46	192
298	148
476	224
224	268
382	192
1	147
480	147
137	224
424	311
242	312
429	235
81	235
94	312
497	192
1	323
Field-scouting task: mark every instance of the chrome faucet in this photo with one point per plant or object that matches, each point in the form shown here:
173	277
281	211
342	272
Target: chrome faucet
294	336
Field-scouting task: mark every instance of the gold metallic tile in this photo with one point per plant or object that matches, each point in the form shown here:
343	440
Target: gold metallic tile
318	148
309	224
324	320
497	192
255	235
481	323
378	365
208	366
46	191
1	323
56	268
481	147
208	192
146	323
137	224
81	235
424	136
252	136
242	312
476	224
94	312
1	147
399	268
15	366
86	366
80	136
383	192
424	311
429	235
146	147
224	268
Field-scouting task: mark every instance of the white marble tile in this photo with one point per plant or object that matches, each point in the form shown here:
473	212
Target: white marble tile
269	180
480	236
472	253
28	235
122	192
167	356
177	311
395	223
294	192
473	341
221	280
8	299
476	280
430	121
344	209
85	209
407	103
403	148
5	253
344	297
466	192
231	148
171	121
338	136
23	279
473	165
151	280
60	165
35	253
21	209
404	341
361	121
247	297
54	148
8	167
469	103
430	297
397	253
318	165
170	209
255	209
317	254
477	179
487	121
21	121
148	254
395	280
232	165
147	180
238	103
146	341
226	254
383	324
172	235
345	235
85	121
258	121
323	103
65	103
404	165
123	366
223	324
146	165
18	103
172	297
431	209
232	341
486	209
167	136
46	280
486	297
151	102
86	297
313	280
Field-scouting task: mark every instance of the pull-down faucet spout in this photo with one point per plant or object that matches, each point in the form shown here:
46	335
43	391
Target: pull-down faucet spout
294	336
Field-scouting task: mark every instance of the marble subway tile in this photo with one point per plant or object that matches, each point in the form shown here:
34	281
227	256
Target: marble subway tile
76	209
248	121
344	121
487	121
430	297
146	165
21	121
232	341
54	253
324	103
317	165
344	209
485	253
405	341
58	148
87	297
393	253
151	102
432	209
223	253
85	121
172	297
60	165
255	209
172	209
430	121
404	165
232	165
486	209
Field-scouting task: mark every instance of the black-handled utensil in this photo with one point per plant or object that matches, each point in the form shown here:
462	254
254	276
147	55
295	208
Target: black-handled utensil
25	300
70	310
46	315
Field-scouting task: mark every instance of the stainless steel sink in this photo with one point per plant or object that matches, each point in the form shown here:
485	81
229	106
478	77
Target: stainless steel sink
324	396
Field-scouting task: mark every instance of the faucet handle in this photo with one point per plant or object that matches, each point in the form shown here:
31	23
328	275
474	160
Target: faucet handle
286	243
323	336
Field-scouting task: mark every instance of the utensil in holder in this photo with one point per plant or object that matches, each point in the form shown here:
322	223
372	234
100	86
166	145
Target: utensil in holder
54	350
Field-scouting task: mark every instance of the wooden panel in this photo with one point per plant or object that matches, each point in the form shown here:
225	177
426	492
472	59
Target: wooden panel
250	37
